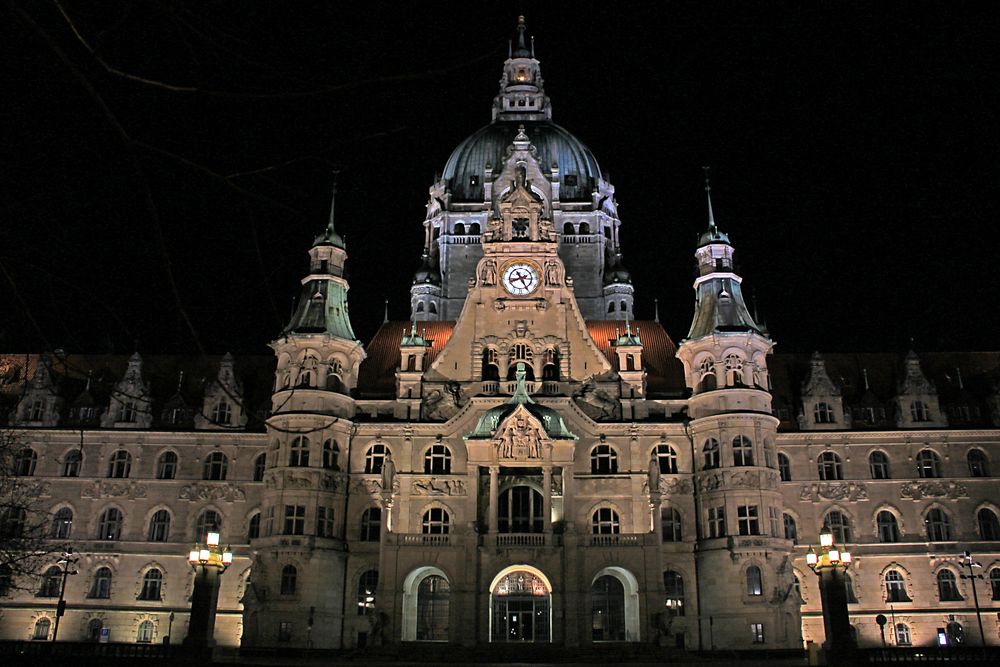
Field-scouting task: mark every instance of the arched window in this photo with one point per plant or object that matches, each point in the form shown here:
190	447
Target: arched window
919	411
72	463
432	308
152	584
120	464
734	370
166	466
568	229
622	306
928	464
420	307
712	454
707	380
603	460
222	414
101	586
755	585
41	632
823	413
12	521
331	455
878	464
784	467
888	527
584	228
475	230
110	525
605	522
995	583
460	229
94	627
374	458
521	352
611	307
667	458
62	524
50	583
433	599
550	366
670	524
367	585
253	527
938	525
830	467
839	525
491	365
673	587
371	525
902	634
216	465
159	526
895	587
208	522
289	579
989	526
947	586
435	522
437	460
519	510
144	634
259	465
298	452
791	530
742	451
979	466
607	597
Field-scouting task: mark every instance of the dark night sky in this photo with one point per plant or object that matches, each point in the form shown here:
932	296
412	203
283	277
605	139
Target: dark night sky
855	149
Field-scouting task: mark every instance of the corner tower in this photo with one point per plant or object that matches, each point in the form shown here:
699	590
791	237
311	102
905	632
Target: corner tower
750	593
300	554
462	201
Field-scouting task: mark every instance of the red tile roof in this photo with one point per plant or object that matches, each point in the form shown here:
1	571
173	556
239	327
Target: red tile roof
377	376
664	372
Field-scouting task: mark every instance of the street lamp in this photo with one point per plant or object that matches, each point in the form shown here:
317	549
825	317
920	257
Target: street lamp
830	565
969	563
65	564
209	562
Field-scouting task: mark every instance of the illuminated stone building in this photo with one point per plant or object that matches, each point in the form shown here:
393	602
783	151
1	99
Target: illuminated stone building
522	461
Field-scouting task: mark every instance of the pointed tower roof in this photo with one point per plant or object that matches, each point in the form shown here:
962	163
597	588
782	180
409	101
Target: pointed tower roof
329	236
712	234
520	47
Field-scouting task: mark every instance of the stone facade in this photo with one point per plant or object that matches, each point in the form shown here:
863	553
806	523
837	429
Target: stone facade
522	463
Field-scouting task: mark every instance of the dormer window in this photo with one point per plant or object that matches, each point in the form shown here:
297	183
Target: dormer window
919	411
128	412
569	180
823	413
37	411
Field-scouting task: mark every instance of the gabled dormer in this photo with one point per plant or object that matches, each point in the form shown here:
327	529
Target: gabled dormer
628	348
822	403
223	407
917	404
412	353
130	405
41	404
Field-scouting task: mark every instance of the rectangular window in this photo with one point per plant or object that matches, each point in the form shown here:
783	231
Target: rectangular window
757	633
716	521
295	519
773	521
269	526
284	631
324	522
749	521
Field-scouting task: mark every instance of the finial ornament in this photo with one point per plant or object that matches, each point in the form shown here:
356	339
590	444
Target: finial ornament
656	310
385	317
708	194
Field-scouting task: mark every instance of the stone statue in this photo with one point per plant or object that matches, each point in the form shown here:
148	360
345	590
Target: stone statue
388	473
654	473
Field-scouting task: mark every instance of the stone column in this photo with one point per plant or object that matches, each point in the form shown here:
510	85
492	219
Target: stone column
547	499
494	498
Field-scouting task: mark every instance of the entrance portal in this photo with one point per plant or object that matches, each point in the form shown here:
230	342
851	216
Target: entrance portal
521	609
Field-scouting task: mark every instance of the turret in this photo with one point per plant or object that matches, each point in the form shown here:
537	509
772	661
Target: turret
521	96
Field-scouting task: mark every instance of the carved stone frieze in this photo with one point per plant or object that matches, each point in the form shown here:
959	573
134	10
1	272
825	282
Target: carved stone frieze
670	486
229	493
431	486
109	489
933	489
373	486
844	491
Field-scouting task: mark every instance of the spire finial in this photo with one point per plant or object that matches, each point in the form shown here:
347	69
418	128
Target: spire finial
385	317
656	310
628	327
708	194
333	198
521	50
864	376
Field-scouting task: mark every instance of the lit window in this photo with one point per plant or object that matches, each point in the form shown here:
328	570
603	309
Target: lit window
367	585
757	633
673	587
755	585
144	634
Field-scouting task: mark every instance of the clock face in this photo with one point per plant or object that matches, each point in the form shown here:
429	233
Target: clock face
520	278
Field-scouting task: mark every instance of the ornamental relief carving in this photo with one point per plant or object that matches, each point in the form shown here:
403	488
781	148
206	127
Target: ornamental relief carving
736	479
670	486
520	437
229	493
436	487
105	489
918	490
845	491
373	486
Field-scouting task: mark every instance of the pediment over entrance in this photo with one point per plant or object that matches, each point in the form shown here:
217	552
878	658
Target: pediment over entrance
521	436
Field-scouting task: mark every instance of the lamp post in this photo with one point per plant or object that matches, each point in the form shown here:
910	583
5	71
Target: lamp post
208	562
67	561
830	565
969	563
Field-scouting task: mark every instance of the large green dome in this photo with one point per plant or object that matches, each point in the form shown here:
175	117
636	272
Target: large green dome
578	168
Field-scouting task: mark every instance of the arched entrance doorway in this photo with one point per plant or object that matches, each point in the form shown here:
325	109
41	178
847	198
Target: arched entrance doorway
521	606
426	605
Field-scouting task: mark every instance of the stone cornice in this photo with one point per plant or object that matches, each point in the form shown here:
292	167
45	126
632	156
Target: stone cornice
851	437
